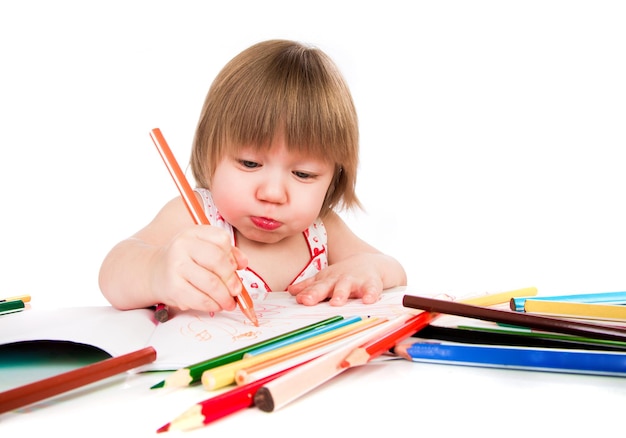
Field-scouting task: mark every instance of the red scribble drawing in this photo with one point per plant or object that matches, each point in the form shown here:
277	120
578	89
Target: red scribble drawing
268	311
193	336
204	327
247	335
232	329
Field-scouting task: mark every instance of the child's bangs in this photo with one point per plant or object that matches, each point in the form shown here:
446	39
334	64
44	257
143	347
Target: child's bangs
310	121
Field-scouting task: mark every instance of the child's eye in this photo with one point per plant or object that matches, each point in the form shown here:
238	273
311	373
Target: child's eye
302	175
249	164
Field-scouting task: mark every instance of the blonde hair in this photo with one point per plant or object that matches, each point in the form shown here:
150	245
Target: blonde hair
281	85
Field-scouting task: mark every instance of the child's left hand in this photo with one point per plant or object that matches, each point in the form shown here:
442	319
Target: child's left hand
359	276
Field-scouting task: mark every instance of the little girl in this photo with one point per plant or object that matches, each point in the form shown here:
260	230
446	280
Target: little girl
274	156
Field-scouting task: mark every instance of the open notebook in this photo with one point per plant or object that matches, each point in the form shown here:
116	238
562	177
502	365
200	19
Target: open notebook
187	337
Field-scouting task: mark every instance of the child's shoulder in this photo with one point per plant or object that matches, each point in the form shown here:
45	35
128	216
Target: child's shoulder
211	211
316	233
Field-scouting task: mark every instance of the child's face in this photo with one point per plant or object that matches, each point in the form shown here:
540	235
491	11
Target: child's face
270	194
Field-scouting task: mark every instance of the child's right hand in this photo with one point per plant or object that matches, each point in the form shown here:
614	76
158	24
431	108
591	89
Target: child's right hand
196	270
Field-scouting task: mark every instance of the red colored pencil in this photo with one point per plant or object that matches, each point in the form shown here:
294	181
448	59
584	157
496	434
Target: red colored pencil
376	347
51	386
217	407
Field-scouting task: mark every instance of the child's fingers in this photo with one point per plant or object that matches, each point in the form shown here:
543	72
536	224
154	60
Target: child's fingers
341	291
295	289
240	258
313	292
372	291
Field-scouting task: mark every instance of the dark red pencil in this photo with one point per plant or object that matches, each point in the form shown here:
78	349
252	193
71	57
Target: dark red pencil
217	407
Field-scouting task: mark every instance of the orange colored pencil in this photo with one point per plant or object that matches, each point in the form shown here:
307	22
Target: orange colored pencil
51	386
195	210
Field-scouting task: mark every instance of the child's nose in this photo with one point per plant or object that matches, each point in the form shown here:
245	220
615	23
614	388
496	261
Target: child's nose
273	189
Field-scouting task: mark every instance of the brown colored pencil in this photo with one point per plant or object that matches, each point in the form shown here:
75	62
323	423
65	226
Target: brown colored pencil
557	325
51	386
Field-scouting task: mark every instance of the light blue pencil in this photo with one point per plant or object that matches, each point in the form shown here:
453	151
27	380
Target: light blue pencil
306	335
517	303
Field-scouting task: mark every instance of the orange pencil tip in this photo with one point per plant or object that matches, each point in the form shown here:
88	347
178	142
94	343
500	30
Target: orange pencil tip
344	364
252	317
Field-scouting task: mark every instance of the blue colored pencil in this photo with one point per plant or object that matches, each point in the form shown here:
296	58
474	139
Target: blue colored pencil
524	358
517	303
305	335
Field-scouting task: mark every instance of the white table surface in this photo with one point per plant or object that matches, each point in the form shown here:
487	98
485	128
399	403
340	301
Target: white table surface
390	397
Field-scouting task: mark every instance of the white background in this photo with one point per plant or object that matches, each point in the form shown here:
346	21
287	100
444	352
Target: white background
492	132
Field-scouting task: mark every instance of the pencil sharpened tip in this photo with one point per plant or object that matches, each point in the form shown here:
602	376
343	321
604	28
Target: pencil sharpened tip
252	317
161	316
344	364
263	399
158	385
163	428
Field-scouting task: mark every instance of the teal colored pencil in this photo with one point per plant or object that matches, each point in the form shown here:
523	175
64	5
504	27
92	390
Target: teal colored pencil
11	306
193	373
517	303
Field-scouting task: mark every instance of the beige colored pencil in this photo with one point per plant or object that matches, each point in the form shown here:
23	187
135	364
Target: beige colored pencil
283	390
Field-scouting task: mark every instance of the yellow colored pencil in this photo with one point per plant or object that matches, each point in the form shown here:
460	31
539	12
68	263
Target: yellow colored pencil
500	298
23	298
611	312
224	375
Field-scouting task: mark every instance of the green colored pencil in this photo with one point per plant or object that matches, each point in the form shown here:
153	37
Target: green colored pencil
543	335
193	373
11	306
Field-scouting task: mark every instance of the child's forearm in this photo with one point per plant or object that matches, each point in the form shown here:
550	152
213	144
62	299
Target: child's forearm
391	271
124	277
